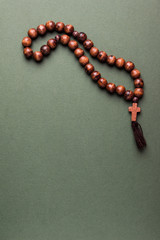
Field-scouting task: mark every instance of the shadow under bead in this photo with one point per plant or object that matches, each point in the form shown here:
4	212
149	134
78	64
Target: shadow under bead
50	26
111	87
95	76
41	29
102	56
45	50
89	68
128	95
102	82
64	39
78	52
59	27
32	33
73	45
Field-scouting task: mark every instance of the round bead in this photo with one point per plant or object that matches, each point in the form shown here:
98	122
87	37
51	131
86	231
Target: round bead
32	33
135	99
94	51
58	38
59	26
72	44
52	43
27	42
111	59
83	60
88	44
75	34
111	87
41	29
120	90
95	76
102	56
28	52
89	68
78	52
81	37
38	56
129	66
138	92
102	82
64	39
50	25
128	95
138	83
135	73
120	62
69	29
45	50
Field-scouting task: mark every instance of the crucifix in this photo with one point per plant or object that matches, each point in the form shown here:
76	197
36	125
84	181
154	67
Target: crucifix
134	110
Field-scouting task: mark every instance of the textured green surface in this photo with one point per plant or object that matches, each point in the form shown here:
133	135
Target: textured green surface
69	167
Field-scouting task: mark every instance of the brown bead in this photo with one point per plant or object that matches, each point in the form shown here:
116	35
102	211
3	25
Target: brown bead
50	25
128	95
81	37
89	68
94	51
69	29
27	42
129	66
38	56
75	34
95	76
45	50
72	44
135	99
32	33
88	44
83	60
135	73
41	29
78	52
59	26
111	87
120	62
102	82
64	39
120	90
102	56
138	83
52	43
58	38
111	59
28	52
138	92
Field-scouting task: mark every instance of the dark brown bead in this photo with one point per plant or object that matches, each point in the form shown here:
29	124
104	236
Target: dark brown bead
94	51
28	52
50	25
111	59
78	52
75	34
45	50
138	92
38	56
135	73
111	87
81	37
138	83
32	33
58	38
120	62
59	26
27	42
128	95
64	39
95	76
41	29
88	44
69	29
120	89
83	60
73	45
129	66
102	56
135	99
89	68
102	82
52	43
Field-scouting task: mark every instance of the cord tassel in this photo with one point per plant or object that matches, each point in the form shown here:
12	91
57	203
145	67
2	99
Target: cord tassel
138	134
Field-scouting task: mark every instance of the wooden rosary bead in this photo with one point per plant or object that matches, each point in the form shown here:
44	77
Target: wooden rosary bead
75	34
27	42
83	60
41	29
73	45
89	68
138	83
38	56
94	51
120	62
78	52
135	99
81	37
69	29
64	39
59	26
50	26
45	50
111	87
58	38
28	52
32	33
128	95
102	82
138	92
102	56
135	73
120	90
111	59
52	43
129	66
95	76
88	44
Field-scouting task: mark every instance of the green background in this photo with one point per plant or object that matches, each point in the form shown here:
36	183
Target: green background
69	167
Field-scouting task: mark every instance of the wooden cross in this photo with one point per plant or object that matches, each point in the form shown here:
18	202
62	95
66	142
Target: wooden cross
134	109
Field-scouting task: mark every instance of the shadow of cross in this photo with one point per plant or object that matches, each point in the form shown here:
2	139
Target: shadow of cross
134	110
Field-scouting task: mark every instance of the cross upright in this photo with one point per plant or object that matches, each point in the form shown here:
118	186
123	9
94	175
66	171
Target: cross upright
134	110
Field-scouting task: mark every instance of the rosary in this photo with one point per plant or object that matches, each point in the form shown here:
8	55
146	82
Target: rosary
111	60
